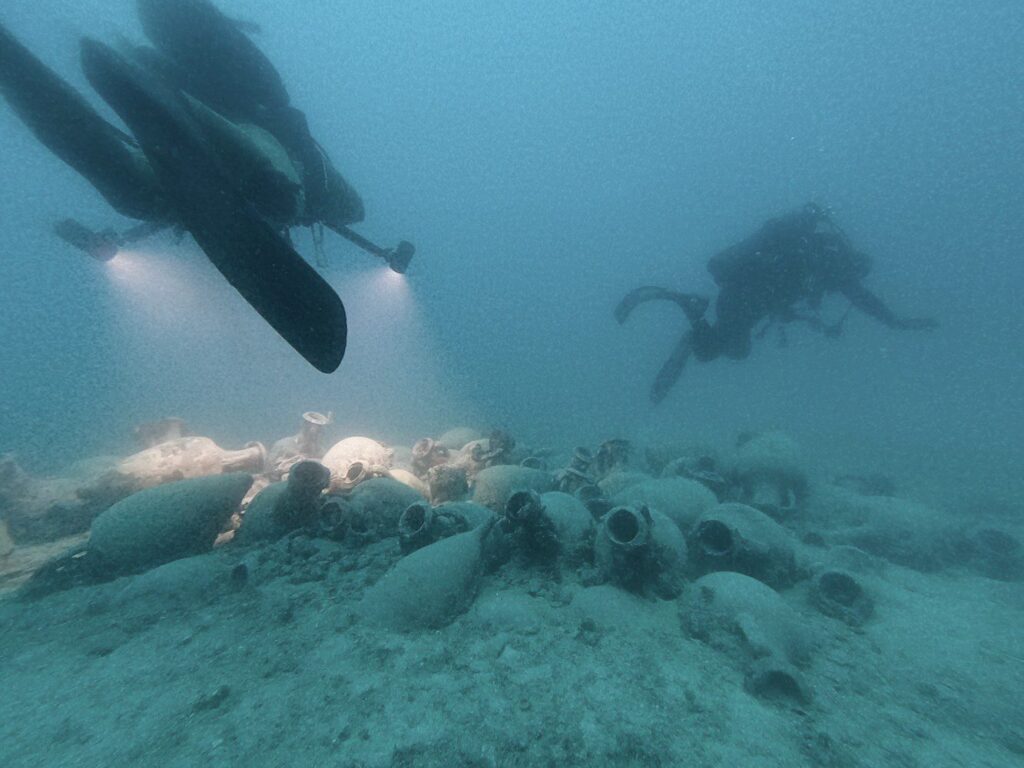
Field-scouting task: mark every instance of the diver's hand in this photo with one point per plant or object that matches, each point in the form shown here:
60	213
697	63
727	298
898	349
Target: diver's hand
918	324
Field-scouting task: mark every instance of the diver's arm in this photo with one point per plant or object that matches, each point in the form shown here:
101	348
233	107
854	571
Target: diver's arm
871	305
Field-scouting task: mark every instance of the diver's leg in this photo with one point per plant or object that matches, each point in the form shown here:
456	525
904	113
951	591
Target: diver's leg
706	341
287	292
731	338
68	126
737	345
740	307
694	306
672	369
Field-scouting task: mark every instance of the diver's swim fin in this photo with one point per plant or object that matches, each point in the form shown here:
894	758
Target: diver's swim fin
255	259
672	369
693	306
65	122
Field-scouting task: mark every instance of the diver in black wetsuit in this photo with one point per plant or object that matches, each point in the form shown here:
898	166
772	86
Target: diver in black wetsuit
210	56
215	148
180	165
778	275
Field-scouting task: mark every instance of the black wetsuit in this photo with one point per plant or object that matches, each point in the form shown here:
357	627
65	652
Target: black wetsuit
780	274
210	56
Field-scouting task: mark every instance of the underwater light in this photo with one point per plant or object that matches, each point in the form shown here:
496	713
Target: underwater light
102	246
391	283
105	245
397	258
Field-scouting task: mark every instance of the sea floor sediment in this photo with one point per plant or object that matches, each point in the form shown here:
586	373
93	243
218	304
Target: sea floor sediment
264	654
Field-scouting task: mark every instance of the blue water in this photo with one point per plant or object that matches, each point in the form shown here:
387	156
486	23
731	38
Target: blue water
545	158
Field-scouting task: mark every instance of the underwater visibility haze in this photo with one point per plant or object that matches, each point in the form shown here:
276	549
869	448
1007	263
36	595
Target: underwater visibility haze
275	491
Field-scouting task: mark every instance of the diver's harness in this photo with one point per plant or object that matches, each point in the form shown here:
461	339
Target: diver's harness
808	311
397	258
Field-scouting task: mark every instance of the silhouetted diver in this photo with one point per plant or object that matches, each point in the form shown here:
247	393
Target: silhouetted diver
255	259
209	56
167	173
212	59
780	274
235	184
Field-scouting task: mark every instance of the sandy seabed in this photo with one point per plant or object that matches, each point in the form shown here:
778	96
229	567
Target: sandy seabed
185	665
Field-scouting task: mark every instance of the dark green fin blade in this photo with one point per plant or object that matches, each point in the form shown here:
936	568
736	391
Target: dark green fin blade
639	296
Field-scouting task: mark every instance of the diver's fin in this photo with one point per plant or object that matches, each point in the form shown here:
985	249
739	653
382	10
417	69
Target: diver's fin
269	274
693	306
65	122
672	369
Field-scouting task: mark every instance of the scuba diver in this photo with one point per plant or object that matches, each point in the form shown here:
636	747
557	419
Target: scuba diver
214	148
778	275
